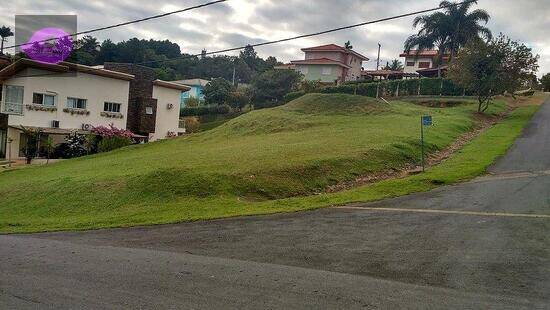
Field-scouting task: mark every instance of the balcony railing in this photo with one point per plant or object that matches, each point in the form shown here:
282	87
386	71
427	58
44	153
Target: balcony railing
12	108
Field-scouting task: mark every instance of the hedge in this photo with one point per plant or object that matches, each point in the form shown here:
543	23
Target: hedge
293	95
393	88
205	110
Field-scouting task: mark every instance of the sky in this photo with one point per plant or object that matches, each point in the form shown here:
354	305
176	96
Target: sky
241	22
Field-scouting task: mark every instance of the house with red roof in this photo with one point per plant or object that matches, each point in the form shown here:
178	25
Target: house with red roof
419	61
330	63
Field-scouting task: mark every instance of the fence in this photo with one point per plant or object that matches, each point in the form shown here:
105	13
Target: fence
400	88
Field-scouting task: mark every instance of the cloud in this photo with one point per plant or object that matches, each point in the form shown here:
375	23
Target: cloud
238	22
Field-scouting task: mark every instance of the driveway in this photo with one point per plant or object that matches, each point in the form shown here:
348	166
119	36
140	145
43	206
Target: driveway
483	244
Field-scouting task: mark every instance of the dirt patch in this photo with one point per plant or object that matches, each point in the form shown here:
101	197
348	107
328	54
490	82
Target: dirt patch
482	123
439	103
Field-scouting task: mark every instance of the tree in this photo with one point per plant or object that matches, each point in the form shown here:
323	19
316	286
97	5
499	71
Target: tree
489	69
32	136
217	91
5	33
49	148
273	85
395	65
518	64
238	99
449	30
545	81
348	45
250	57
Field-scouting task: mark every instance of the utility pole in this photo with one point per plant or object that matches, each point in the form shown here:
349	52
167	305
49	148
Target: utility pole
378	59
233	74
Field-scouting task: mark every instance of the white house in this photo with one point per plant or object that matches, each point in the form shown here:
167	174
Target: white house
61	98
416	60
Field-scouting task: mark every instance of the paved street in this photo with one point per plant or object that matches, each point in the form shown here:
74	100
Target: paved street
482	245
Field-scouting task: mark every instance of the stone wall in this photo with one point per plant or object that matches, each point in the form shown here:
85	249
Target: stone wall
140	97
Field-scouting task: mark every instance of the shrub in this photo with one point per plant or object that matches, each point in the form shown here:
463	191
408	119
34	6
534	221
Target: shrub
217	91
310	86
293	95
192	124
192	102
108	144
111	131
430	86
205	110
112	138
267	104
273	85
410	87
74	146
238	99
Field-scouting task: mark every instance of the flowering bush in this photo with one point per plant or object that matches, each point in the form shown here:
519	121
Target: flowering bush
111	131
112	138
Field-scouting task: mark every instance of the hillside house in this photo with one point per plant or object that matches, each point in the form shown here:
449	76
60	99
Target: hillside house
330	64
62	98
423	62
196	91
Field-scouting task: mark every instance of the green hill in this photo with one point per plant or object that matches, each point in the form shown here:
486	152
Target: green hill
292	150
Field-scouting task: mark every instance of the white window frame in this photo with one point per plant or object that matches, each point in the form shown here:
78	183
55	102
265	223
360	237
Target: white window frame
304	70
326	70
110	107
75	98
44	99
16	108
149	110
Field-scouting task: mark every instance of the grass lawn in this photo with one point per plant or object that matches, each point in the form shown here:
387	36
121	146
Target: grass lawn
265	161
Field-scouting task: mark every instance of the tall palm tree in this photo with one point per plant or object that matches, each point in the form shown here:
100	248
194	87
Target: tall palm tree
5	33
450	29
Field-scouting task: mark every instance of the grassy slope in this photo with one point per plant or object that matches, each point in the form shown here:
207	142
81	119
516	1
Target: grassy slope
252	164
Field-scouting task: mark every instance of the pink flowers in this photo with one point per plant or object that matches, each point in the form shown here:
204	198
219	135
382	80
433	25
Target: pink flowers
111	131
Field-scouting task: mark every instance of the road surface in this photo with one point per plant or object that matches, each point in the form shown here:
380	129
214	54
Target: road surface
482	245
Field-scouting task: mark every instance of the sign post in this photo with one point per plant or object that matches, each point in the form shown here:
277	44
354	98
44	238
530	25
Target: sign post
425	120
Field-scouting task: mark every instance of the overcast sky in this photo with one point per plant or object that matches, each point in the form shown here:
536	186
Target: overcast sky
239	22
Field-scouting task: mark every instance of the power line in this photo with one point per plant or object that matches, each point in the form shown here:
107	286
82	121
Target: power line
128	22
296	37
311	34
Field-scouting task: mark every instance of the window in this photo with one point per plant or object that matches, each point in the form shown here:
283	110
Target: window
111	107
47	100
149	110
76	103
326	71
13	101
303	70
410	63
424	64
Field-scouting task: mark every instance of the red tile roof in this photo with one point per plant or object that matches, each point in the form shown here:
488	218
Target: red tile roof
333	48
319	61
61	67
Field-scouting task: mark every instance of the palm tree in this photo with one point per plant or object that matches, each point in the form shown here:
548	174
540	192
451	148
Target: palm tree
449	30
5	33
395	65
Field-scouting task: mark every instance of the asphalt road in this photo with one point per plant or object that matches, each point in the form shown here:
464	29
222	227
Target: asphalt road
479	245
